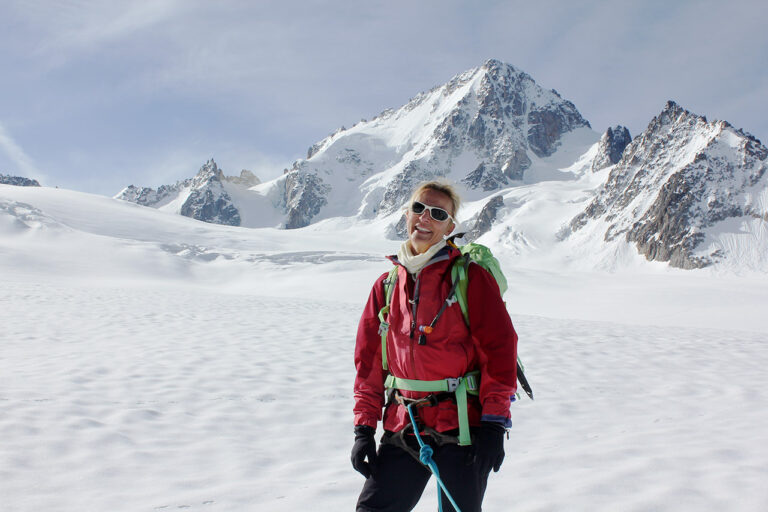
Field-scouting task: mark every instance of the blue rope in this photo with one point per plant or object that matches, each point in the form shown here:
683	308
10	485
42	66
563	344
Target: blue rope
425	456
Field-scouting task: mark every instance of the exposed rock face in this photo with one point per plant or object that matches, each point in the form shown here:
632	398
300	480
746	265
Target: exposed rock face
503	115
680	177
146	196
546	124
485	177
485	219
611	147
516	166
208	201
401	186
305	194
18	181
400	230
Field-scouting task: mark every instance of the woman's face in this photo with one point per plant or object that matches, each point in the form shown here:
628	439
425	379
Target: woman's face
423	230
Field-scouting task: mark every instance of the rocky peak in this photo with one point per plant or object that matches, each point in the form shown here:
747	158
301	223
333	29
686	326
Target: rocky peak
512	99
207	173
502	118
208	200
675	117
611	147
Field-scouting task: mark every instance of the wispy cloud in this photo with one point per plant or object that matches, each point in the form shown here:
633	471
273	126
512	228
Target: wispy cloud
16	154
62	31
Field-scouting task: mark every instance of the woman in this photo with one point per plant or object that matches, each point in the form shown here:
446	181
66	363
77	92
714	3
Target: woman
418	347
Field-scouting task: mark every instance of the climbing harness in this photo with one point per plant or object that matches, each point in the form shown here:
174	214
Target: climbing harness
460	387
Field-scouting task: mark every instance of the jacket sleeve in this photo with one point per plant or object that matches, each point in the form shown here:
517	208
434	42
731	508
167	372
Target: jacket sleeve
496	342
369	379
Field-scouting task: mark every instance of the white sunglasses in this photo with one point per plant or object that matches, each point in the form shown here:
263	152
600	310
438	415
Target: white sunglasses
438	214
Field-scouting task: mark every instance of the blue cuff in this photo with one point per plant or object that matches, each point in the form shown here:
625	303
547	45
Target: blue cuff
506	422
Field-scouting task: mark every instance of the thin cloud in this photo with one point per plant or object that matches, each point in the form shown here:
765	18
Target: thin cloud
24	163
65	31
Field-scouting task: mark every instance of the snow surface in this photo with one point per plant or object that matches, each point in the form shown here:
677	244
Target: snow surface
152	362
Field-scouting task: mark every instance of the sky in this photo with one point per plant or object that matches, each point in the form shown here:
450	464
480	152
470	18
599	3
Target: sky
95	96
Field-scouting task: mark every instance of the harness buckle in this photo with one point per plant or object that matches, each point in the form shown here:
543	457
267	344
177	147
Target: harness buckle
383	328
453	383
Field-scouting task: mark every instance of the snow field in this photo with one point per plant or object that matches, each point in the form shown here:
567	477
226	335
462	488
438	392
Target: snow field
638	418
126	399
151	362
159	398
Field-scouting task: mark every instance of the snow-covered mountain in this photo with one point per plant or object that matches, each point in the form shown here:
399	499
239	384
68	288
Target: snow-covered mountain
687	191
206	197
535	178
486	129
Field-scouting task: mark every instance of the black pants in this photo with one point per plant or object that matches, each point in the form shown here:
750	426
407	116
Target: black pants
400	480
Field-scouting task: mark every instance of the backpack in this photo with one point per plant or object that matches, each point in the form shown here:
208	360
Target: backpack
469	384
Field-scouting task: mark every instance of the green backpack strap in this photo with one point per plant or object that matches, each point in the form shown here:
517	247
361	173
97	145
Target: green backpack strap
389	285
460	275
482	255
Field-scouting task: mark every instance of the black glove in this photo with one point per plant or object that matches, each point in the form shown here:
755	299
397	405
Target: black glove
488	447
365	446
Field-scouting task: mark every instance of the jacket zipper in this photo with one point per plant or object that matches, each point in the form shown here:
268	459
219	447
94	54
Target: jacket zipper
414	311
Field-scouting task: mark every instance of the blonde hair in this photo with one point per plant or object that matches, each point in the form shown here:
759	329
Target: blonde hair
444	187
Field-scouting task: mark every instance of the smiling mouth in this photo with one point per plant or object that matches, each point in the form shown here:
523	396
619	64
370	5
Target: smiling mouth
422	230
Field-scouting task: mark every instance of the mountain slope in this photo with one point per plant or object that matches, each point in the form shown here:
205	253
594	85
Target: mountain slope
485	129
683	190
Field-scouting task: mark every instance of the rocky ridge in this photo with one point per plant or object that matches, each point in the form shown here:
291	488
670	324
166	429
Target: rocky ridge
679	178
204	196
18	181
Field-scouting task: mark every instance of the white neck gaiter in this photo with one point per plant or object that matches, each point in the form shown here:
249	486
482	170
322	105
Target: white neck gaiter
415	262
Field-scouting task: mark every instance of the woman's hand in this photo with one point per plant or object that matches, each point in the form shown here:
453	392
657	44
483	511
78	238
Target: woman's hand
364	447
488	446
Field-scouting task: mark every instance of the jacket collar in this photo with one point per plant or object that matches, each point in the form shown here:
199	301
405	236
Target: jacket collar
446	253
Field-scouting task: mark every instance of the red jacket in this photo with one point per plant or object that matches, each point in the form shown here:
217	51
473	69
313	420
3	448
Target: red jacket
451	350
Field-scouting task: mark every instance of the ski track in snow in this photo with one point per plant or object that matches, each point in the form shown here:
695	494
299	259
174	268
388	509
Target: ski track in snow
145	398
